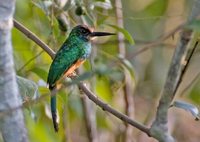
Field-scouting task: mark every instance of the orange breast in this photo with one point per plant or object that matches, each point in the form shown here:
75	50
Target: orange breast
73	68
69	72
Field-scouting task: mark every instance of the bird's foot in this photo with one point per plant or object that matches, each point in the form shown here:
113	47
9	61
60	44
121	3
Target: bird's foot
73	75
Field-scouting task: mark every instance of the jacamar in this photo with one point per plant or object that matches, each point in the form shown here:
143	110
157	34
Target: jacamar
74	51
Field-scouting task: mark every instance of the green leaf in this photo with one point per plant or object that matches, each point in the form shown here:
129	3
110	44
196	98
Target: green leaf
194	25
126	34
101	20
28	89
188	107
103	89
40	72
127	64
156	8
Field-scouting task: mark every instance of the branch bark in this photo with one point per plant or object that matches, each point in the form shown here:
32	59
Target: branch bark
12	124
159	129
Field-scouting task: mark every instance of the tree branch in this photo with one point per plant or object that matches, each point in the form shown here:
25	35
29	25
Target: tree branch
159	128
87	92
114	112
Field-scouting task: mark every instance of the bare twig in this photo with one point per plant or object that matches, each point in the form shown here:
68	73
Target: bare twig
185	67
87	92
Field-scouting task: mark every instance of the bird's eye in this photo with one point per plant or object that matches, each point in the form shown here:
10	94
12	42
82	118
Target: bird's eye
84	31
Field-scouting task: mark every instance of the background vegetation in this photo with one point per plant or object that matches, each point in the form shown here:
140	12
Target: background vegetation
128	77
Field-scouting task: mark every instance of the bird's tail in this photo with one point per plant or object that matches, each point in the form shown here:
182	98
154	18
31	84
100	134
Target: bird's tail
53	112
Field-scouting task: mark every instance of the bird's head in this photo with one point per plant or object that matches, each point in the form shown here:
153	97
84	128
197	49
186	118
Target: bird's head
86	33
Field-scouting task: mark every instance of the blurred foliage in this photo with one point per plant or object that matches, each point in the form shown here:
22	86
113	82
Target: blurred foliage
27	88
144	21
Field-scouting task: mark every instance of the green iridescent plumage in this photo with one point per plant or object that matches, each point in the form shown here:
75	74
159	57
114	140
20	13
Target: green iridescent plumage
76	47
73	49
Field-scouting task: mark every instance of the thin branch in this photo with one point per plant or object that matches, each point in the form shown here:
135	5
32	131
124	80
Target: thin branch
87	92
114	112
187	60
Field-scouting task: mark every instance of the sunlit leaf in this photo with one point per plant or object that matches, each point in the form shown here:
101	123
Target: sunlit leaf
28	89
103	88
126	34
156	8
188	107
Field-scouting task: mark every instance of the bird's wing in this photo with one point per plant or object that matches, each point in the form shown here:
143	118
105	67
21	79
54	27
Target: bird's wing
64	60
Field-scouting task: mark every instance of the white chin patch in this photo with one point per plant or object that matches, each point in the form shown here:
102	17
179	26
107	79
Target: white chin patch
92	38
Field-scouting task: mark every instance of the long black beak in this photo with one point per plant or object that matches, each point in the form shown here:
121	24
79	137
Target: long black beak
93	34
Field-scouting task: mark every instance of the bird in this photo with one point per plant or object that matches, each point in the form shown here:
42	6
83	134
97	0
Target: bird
73	52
